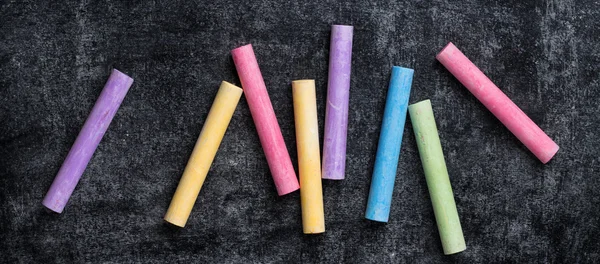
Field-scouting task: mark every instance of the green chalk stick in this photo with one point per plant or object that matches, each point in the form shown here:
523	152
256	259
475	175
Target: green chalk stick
436	174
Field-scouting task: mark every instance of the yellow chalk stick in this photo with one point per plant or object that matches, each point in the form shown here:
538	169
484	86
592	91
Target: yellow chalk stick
309	160
204	152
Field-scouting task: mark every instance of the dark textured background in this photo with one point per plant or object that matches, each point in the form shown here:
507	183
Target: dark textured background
55	57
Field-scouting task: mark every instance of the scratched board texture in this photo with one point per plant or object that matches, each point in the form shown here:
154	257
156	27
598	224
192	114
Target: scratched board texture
55	57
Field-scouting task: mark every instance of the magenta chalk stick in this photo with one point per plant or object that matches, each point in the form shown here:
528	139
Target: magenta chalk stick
336	112
262	112
87	141
498	103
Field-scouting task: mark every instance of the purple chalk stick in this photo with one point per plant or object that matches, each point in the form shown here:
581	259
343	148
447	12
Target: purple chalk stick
336	113
87	141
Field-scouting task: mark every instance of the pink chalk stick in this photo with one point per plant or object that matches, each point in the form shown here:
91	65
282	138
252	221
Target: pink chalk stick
498	103
262	112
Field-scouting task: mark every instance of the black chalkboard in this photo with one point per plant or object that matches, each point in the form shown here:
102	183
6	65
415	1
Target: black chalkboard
55	57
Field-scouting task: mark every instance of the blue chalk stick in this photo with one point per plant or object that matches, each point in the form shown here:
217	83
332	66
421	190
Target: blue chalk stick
390	139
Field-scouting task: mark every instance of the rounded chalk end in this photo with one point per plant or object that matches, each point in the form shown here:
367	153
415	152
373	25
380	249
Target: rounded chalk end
342	27
547	156
447	49
230	86
121	75
175	221
402	69
333	178
287	189
303	85
54	207
314	230
243	49
303	81
416	107
332	171
342	32
377	218
454	250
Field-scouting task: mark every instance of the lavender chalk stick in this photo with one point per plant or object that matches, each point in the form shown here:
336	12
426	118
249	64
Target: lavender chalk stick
90	135
336	112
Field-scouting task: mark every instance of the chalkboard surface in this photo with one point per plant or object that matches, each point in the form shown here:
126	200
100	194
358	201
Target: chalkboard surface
55	57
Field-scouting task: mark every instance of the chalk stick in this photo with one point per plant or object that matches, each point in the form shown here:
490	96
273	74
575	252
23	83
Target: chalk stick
436	175
498	103
87	141
388	150
204	152
309	157
265	121
336	111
